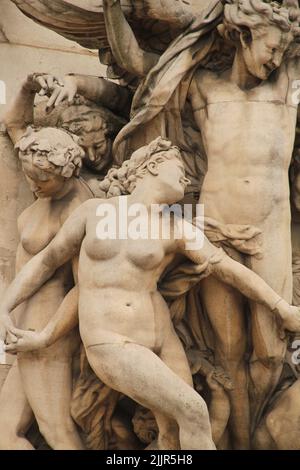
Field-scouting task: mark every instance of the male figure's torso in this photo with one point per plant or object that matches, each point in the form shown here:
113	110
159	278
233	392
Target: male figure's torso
248	136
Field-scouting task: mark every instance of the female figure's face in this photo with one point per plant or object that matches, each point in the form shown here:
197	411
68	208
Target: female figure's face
171	175
42	183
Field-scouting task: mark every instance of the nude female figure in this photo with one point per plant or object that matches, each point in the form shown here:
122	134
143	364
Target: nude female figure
124	322
247	119
39	384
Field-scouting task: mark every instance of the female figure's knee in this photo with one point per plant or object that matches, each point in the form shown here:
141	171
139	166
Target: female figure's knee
195	411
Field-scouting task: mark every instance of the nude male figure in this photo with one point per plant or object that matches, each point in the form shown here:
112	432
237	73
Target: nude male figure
248	119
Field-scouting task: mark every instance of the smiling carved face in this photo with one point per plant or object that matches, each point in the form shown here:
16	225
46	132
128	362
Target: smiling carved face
264	52
94	133
97	147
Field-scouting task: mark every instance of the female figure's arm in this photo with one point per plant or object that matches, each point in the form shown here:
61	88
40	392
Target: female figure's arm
243	279
64	320
100	90
20	114
64	247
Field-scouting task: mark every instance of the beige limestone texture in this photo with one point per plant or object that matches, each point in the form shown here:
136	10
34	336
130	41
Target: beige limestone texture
222	91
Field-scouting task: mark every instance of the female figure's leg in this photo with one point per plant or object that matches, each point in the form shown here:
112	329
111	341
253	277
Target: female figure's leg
173	355
138	373
47	381
15	413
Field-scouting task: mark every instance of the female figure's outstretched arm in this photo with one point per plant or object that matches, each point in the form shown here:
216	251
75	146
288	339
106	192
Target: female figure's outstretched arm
243	279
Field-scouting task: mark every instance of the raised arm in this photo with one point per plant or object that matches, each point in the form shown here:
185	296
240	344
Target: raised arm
179	13
123	43
100	90
20	113
246	281
65	245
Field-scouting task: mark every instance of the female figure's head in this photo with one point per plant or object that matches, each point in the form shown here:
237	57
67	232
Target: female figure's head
263	31
49	158
157	165
96	128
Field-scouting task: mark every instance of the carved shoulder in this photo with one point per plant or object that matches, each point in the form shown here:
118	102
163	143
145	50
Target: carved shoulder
293	68
199	87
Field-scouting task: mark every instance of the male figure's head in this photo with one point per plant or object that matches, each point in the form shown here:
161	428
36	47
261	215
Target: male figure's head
261	31
96	128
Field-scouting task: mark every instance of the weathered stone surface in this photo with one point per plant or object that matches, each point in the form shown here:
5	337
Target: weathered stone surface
200	330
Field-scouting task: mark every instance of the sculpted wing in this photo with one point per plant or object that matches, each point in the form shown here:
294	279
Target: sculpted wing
154	22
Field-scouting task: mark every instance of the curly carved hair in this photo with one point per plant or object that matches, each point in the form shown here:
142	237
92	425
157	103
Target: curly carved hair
52	150
123	180
84	117
256	15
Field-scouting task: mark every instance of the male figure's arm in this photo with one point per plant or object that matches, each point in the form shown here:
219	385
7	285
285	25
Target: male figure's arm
125	48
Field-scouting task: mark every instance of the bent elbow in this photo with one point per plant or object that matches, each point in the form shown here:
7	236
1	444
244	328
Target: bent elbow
131	66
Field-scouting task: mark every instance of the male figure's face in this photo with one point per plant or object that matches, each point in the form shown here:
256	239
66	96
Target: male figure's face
97	147
93	139
264	52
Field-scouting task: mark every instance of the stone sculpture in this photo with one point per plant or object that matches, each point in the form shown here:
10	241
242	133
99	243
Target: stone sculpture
258	81
219	81
153	175
40	384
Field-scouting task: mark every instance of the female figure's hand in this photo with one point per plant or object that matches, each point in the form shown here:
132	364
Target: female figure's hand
25	341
